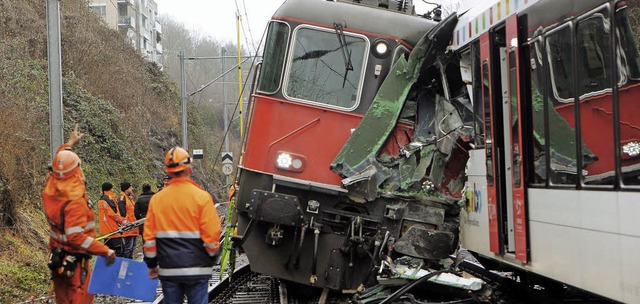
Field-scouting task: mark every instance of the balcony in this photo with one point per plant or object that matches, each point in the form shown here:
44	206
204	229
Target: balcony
127	21
126	2
159	48
158	28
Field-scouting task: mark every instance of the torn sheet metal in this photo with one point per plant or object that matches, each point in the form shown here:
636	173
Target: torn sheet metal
425	243
360	151
408	269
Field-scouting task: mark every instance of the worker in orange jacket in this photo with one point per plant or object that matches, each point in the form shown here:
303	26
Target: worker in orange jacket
72	222
126	198
111	218
181	233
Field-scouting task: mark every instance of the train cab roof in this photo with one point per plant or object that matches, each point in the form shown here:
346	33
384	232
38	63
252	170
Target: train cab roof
358	18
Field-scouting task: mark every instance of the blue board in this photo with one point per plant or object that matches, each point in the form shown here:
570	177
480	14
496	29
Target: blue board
125	278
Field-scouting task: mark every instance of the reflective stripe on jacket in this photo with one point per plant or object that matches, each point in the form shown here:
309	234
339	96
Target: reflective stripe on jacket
181	231
78	233
109	215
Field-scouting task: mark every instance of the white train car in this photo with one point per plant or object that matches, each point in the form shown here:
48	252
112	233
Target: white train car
553	178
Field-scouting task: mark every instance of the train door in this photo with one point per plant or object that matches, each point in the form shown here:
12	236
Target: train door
517	221
491	149
505	187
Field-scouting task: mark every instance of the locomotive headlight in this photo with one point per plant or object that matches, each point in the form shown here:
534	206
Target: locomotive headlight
631	149
380	48
290	161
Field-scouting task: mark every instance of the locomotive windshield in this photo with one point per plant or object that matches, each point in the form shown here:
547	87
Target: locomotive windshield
317	68
274	54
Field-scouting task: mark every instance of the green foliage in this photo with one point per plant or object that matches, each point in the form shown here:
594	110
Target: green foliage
22	281
104	151
128	108
23	270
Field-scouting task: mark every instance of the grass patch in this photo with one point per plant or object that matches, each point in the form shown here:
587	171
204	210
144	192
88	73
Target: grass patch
23	270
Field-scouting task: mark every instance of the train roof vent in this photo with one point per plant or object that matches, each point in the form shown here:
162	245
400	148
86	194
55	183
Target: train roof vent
402	6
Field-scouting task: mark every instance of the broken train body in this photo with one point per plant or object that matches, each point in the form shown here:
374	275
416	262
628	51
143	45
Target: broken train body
356	144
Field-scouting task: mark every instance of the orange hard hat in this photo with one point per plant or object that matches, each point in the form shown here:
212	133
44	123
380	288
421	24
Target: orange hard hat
64	163
176	160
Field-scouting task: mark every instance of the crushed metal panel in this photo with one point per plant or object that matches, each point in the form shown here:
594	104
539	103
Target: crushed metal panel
360	150
425	243
407	168
366	140
425	126
448	121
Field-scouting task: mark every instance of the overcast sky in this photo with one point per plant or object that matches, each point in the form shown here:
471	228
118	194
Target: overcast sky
217	18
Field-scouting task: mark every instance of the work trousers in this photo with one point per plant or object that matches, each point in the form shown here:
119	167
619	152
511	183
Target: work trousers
129	246
74	290
196	291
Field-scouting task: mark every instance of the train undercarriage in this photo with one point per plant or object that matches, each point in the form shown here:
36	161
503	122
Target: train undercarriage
338	246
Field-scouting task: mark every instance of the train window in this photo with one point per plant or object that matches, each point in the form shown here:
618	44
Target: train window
273	58
594	55
477	95
560	56
537	110
486	82
594	84
562	136
325	70
630	56
629	121
515	126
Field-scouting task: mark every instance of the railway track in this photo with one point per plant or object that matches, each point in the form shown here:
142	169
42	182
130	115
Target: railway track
249	287
246	287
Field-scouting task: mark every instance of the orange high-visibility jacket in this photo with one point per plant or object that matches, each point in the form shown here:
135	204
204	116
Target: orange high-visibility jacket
181	231
78	234
131	217
108	217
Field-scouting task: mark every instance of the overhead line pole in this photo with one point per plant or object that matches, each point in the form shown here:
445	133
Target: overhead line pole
224	107
239	70
54	61
224	104
183	101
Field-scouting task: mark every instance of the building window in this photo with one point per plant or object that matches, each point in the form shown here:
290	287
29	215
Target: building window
99	9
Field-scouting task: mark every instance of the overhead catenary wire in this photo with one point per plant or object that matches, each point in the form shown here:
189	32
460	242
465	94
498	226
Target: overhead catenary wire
253	44
242	85
246	37
226	133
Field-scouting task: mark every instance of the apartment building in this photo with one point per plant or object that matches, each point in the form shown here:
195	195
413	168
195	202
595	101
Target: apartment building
136	21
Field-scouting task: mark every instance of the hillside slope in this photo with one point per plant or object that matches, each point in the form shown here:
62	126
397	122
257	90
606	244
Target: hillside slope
128	107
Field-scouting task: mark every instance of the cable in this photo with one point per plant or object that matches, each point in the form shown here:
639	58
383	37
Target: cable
242	25
396	295
228	127
255	50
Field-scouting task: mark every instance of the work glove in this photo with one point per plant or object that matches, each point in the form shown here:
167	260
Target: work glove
111	257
